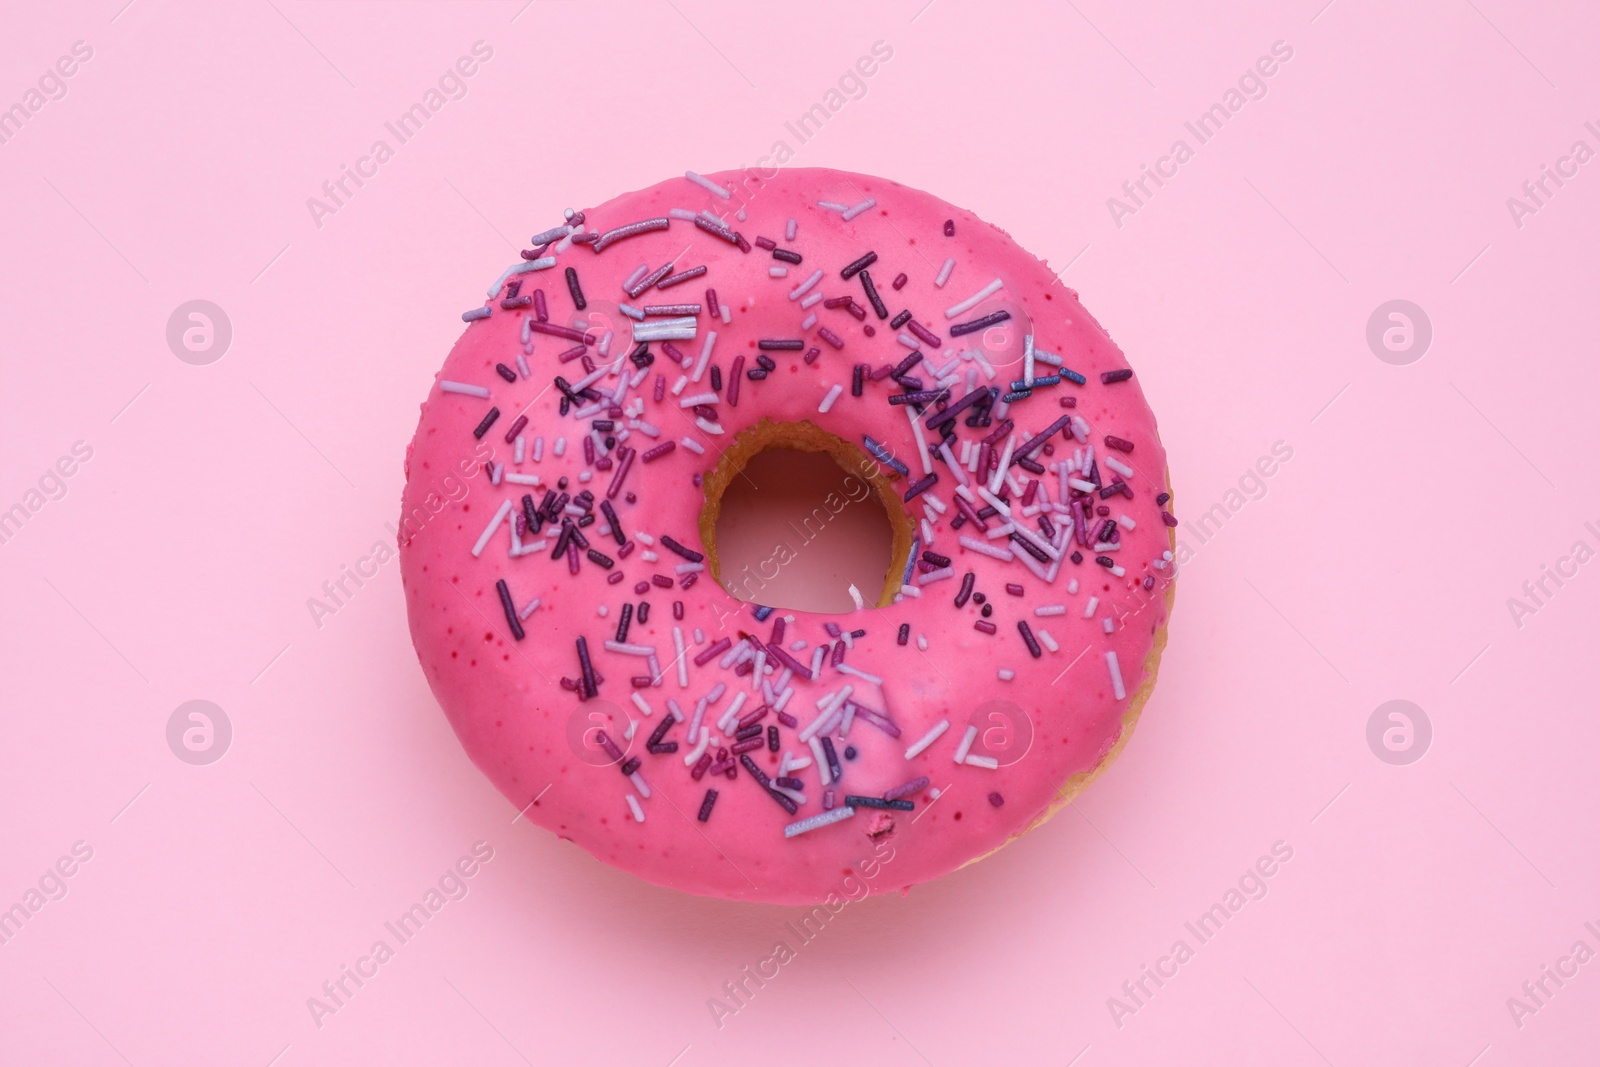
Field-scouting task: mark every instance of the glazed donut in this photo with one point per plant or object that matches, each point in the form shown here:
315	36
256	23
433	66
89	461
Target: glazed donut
562	578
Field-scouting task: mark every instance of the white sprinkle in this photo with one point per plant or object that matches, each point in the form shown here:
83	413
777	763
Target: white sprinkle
1004	554
632	312
855	594
907	340
522	366
633	279
936	576
950	461
986	762
1116	675
1006	674
922	642
640	703
810	320
532	605
970	302
927	739
640	784
1108	624
966	743
727	314
847	669
866	205
705	354
1088	609
521	268
693	446
1117	465
805	287
463	389
789	230
1000	472
777	272
812	299
713	428
1126	521
827	401
689	568
700	748
826	205
944	273
827	818
1046	640
560	448
823	769
682	213
683	663
707	184
633	805
495	471
519	448
1045	610
699	398
488	532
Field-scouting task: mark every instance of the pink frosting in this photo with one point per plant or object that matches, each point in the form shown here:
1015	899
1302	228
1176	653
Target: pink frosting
1061	712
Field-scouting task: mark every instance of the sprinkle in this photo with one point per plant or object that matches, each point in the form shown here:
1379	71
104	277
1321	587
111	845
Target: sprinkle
521	268
789	230
916	785
805	287
710	802
872	295
866	205
510	609
633	805
1003	554
716	230
1028	639
463	389
780	345
1116	675
944	273
965	594
832	339
683	666
827	818
884	456
494	523
488	421
853	269
966	743
974	300
633	229
827	402
929	738
986	762
1045	610
710	186
963	328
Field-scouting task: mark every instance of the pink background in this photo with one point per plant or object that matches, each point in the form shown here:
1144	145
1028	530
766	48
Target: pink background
218	498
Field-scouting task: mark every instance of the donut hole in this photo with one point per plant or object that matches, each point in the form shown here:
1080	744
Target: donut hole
797	516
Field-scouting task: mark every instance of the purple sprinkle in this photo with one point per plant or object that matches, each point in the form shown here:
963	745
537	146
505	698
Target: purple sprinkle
633	229
916	785
681	277
510	609
1112	376
961	329
711	652
996	799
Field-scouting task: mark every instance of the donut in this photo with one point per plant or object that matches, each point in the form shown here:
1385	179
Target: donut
558	536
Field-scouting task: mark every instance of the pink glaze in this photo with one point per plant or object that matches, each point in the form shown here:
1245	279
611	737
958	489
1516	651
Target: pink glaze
535	739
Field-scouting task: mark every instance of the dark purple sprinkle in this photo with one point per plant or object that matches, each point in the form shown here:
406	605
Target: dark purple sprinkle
589	683
838	654
1069	401
1014	588
746	733
780	626
900	320
766	363
899	281
1118	443
786	256
516	428
996	799
677	356
833	758
920	396
1111	377
755	772
661	581
510	608
961	329
949	227
858	266
1106	530
1028	638
788	720
789	783
711	304
772	739
641	681
1169	519
505	372
711	799
687	553
1030	548
766	243
622	632
856	374
716	378
677	610
640	589
511	303
920	486
611	520
1105	561
630	765
1077	557
744	246
610	746
872	295
949	414
985	626
553	330
967	582
923	334
575	289
770	345
904	635
488	421
541	311
851	800
832	338
596	556
644	611
681	277
657	452
662	749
